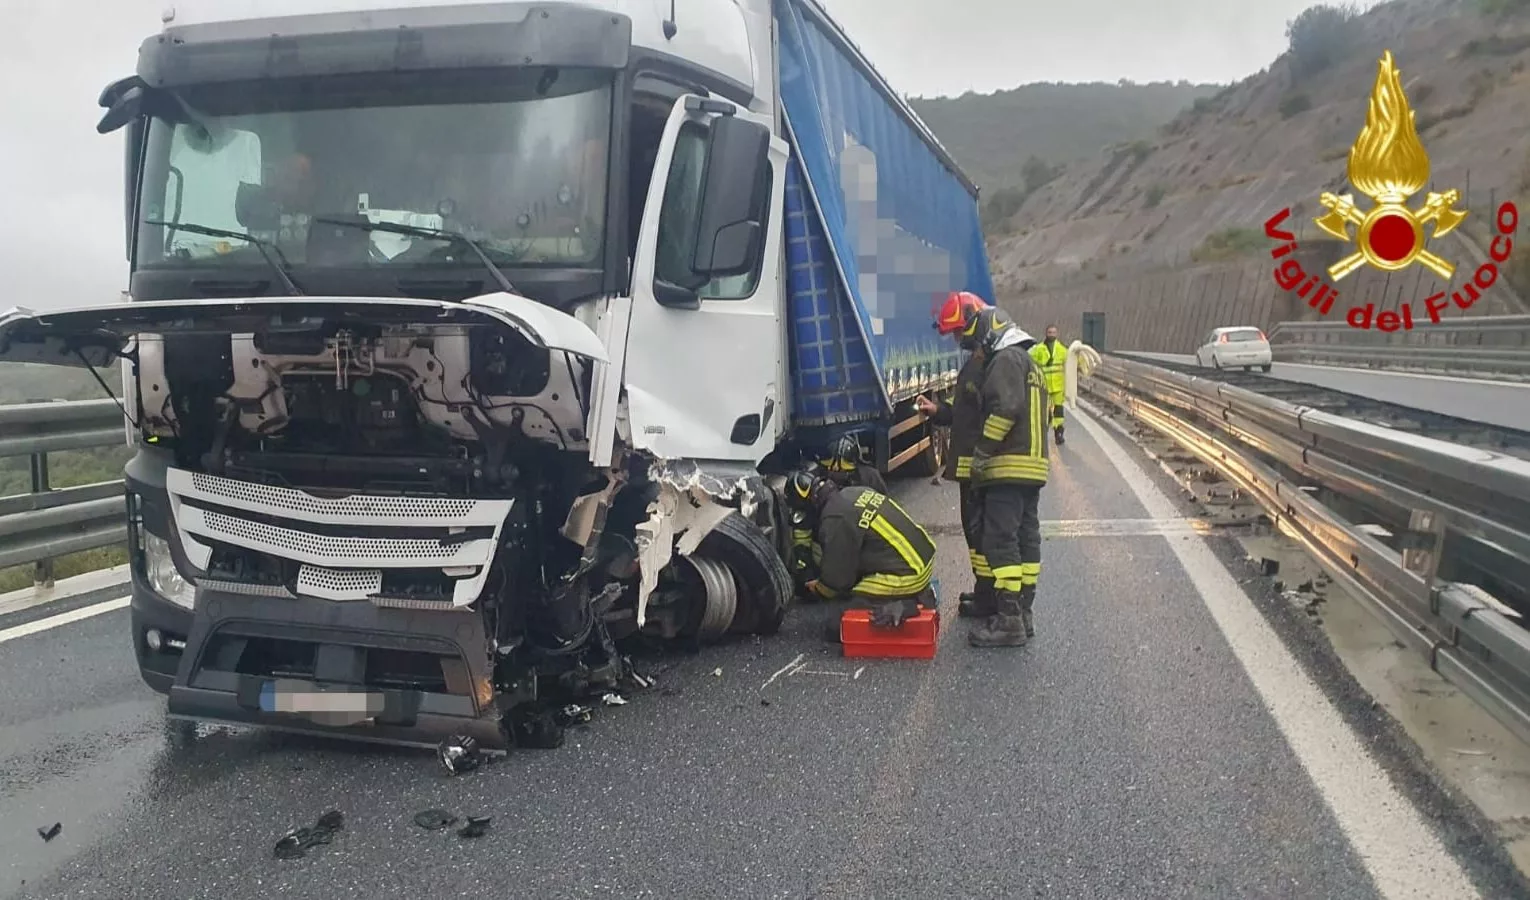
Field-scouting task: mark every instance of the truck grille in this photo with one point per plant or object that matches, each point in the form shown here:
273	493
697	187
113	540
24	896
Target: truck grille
331	566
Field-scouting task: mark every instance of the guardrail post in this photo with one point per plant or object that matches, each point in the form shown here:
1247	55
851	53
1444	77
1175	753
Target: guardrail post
1423	544
42	570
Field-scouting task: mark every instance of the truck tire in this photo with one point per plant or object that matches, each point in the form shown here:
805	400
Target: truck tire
764	584
933	460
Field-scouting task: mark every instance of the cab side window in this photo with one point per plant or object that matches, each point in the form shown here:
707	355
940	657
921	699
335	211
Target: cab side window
680	221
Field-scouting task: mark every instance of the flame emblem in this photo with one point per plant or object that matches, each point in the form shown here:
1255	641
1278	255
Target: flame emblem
1388	163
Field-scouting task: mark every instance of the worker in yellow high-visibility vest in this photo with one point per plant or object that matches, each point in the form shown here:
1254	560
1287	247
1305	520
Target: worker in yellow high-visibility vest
1051	356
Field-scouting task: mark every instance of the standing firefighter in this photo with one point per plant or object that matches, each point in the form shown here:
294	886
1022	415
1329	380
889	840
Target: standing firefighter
874	554
1052	356
963	414
1009	468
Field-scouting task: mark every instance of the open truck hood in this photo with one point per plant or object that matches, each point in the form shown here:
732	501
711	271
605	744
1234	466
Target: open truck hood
96	335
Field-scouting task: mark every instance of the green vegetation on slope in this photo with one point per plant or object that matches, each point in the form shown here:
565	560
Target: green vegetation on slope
993	136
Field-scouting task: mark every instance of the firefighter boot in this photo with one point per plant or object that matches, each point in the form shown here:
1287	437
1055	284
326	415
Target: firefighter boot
1028	600
978	604
1058	432
1005	628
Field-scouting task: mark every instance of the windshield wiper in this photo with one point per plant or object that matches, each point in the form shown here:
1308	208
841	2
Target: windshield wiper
439	234
265	247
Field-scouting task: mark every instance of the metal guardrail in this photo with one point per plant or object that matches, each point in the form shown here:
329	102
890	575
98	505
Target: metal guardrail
40	526
1438	492
1484	346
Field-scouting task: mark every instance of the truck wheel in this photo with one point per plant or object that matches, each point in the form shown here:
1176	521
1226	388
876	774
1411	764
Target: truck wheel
764	584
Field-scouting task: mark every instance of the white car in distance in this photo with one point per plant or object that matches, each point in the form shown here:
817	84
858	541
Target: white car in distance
1231	347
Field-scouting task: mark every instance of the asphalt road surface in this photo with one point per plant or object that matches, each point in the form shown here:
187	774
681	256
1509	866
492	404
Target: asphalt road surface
1171	732
1502	403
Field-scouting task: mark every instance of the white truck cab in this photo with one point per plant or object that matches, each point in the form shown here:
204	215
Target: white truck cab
465	337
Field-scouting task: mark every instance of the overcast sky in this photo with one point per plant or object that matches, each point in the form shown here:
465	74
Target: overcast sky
61	243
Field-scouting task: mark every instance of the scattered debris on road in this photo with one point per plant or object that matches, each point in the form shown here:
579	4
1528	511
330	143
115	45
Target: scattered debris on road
434	819
477	826
297	842
51	832
458	754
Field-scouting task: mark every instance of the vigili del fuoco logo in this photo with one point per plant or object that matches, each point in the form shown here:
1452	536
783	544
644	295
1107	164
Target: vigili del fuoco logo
1388	164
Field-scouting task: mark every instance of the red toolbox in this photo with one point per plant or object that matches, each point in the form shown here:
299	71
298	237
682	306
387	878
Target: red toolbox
914	639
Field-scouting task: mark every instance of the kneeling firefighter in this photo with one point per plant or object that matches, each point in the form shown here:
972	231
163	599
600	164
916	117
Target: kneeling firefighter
1010	465
807	553
846	466
843	465
874	554
963	414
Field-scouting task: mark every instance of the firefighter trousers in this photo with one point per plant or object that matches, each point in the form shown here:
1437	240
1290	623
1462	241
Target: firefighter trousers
1009	537
972	529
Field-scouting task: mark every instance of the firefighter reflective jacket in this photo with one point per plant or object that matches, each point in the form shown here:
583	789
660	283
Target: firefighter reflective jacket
1051	356
1013	445
871	547
963	413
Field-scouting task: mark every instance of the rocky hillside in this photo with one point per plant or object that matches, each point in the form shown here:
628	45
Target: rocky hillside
994	135
1134	223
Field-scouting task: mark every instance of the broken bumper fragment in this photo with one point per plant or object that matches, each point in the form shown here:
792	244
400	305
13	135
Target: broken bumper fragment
351	670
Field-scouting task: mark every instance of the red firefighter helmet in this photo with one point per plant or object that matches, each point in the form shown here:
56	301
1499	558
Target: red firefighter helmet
957	311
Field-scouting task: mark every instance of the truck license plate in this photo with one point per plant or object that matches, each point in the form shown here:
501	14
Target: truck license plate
304	699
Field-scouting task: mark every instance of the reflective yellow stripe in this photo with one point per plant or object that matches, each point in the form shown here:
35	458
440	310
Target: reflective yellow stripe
996	427
837	465
1013	465
1030	573
979	564
803	536
1009	578
964	467
1038	435
899	543
883	585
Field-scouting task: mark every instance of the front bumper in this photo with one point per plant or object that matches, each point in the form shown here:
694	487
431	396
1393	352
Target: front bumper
409	676
248	660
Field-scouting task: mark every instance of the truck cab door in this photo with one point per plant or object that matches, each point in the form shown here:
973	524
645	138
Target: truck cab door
704	340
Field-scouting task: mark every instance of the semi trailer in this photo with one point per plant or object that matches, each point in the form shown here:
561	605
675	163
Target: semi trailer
466	342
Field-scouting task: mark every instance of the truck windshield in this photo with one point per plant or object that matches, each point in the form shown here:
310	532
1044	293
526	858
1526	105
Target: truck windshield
519	166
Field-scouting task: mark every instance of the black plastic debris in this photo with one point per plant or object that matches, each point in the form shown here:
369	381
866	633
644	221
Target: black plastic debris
574	714
297	842
1270	566
51	832
477	826
459	753
434	819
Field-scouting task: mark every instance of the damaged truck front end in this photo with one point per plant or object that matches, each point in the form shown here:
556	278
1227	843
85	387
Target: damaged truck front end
377	518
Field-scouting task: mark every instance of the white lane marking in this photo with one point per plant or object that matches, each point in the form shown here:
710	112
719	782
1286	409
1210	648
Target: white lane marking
74	615
1394	373
781	671
1079	528
1404	858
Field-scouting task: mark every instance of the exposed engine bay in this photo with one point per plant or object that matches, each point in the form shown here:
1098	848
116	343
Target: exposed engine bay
387	483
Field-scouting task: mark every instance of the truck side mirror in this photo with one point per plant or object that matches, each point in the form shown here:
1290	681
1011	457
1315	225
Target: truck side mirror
124	105
735	199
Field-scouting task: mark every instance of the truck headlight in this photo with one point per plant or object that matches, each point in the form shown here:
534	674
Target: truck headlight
164	578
